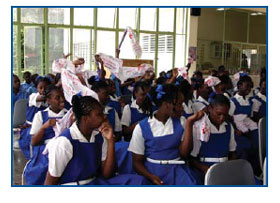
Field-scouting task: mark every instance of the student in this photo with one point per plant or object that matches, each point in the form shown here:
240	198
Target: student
259	102
102	90
213	136
203	92
216	86
18	93
241	110
139	109
158	142
114	99
37	102
227	86
187	92
84	153
28	85
42	132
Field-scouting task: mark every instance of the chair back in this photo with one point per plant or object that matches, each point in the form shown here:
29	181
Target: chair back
19	116
262	140
235	172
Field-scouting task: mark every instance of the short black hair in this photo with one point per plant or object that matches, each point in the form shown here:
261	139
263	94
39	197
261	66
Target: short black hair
220	99
83	105
49	89
244	79
97	84
42	79
27	73
170	94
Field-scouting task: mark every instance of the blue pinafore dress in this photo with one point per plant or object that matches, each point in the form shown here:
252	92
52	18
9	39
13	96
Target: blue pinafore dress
37	167
86	164
216	147
25	137
166	148
262	110
186	114
247	146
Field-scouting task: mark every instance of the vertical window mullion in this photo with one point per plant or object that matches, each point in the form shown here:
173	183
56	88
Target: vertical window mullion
156	40
174	38
71	32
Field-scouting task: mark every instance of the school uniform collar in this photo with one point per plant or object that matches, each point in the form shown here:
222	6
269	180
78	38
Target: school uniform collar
53	114
201	99
134	105
107	109
213	128
156	121
263	97
77	135
114	98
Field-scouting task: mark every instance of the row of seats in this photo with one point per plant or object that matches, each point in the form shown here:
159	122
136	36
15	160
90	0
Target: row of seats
236	172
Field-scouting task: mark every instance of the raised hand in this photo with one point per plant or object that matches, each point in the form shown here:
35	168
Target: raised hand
106	130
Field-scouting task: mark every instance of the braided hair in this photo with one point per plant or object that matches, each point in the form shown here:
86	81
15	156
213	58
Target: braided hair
82	106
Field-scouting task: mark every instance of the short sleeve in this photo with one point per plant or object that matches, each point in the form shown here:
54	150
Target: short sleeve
118	127
231	109
137	142
197	106
183	123
104	150
196	144
126	116
36	123
256	105
32	100
60	153
232	142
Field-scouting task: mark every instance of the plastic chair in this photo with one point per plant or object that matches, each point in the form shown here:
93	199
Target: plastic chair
235	172
264	172
19	116
262	140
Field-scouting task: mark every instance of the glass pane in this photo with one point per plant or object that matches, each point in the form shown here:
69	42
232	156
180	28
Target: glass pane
148	42
148	19
232	56
166	19
208	30
126	48
32	49
262	57
15	49
59	43
180	51
32	15
209	54
81	45
83	16
106	17
181	20
127	17
165	53
257	33
59	15
106	42
236	26
14	14
250	58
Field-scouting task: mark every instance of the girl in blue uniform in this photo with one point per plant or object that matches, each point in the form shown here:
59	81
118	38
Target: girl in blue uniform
158	142
84	153
259	102
203	92
42	132
113	98
37	102
139	109
241	105
186	90
18	93
102	90
220	145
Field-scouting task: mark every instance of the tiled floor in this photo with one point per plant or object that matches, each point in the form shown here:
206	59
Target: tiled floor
19	162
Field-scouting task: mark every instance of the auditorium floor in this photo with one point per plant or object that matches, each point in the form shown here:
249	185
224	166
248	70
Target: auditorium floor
19	162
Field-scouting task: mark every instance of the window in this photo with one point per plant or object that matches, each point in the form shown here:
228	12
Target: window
32	15
15	49
106	17
14	14
148	19
166	19
128	17
59	16
165	53
82	45
32	49
83	16
126	48
59	43
106	42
